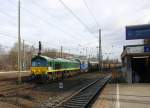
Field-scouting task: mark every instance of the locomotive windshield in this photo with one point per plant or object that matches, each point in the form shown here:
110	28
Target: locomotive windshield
39	63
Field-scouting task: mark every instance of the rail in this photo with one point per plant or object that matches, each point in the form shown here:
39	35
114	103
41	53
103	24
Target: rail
85	96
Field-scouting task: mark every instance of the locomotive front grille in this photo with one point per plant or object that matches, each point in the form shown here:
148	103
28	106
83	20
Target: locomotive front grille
39	70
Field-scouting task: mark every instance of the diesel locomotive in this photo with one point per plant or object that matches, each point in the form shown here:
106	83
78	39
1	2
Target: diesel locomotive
48	68
43	67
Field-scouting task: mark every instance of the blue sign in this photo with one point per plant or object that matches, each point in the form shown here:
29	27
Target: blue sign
138	32
146	48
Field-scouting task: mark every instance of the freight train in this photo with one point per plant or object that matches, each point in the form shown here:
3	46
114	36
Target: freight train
43	67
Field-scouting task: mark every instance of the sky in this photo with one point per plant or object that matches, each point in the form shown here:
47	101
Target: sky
73	24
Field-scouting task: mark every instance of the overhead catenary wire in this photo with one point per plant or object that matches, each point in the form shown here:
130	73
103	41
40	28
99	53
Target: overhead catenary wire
43	20
77	17
46	11
47	22
119	30
5	35
96	22
27	41
16	38
8	16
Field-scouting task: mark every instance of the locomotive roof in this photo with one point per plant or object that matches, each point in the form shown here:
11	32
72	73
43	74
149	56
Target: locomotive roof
44	57
56	59
64	60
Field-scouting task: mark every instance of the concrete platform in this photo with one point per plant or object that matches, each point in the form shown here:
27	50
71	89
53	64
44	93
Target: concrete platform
12	74
124	96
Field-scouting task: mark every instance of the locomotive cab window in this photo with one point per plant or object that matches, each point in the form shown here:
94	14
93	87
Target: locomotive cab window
39	63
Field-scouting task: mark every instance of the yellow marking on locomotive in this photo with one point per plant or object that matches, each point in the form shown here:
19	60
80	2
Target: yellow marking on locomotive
44	70
39	70
62	70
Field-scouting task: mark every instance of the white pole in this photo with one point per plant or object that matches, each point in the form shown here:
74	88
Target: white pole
23	56
19	45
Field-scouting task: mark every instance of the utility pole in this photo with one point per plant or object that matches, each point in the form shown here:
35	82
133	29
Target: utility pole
89	57
86	53
23	62
19	45
61	52
100	50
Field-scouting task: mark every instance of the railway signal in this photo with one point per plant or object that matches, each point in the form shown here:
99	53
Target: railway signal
40	48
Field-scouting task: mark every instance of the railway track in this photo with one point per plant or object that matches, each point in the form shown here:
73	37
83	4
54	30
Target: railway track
85	96
11	89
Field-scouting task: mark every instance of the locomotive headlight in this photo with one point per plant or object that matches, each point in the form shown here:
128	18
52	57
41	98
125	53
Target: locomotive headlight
33	71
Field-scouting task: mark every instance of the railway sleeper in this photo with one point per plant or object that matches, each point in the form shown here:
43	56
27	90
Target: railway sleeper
77	104
85	95
82	95
89	94
73	106
81	98
84	98
78	101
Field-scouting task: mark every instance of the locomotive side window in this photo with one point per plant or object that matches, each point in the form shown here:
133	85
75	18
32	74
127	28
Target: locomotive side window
57	65
50	64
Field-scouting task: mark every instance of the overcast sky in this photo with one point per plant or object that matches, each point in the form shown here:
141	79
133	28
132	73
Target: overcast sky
50	22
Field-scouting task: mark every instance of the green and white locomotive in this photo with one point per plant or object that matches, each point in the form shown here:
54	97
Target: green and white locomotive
43	67
49	68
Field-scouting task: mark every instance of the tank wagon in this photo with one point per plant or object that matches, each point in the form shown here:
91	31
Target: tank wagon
93	66
89	66
84	66
49	68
